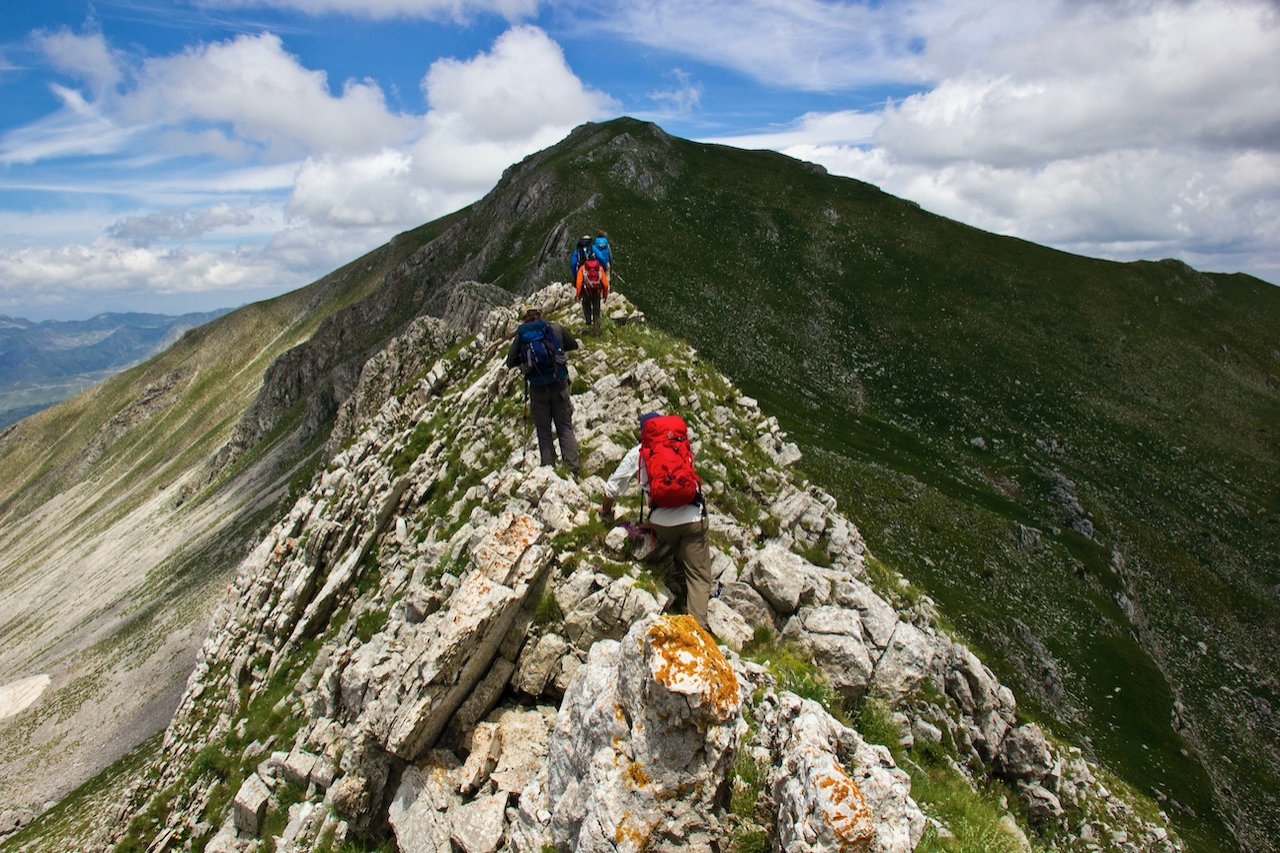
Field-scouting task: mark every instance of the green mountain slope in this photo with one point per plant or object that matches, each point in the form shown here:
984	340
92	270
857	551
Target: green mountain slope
1078	458
122	513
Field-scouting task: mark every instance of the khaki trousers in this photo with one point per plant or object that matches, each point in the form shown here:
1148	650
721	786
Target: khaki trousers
688	545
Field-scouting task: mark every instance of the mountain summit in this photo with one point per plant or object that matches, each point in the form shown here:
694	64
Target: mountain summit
1075	458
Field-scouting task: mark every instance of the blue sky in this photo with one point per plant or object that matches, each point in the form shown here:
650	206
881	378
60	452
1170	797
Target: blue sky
186	155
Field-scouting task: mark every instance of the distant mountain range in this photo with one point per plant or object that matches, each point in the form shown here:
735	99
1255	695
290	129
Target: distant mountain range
44	363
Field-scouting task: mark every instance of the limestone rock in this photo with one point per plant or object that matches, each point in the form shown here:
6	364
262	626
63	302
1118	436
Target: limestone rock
251	804
834	637
833	791
1024	754
644	740
418	813
478	826
730	627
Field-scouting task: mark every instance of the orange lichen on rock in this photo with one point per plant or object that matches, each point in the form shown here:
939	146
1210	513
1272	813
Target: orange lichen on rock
635	774
502	549
687	660
631	833
846	810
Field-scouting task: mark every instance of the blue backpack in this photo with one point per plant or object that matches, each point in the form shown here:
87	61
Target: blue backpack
581	254
601	249
540	353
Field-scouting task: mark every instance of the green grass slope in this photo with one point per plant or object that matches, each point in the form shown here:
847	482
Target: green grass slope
115	539
1077	457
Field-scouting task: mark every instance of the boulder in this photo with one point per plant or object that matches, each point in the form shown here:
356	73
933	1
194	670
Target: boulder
779	575
834	637
833	791
251	804
478	826
644	741
748	603
1024	754
905	663
538	663
728	626
417	814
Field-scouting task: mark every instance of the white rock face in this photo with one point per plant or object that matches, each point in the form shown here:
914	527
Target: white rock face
834	792
644	741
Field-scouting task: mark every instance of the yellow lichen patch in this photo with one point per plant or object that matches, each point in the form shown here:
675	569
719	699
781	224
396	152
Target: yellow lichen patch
845	810
631	833
686	660
635	774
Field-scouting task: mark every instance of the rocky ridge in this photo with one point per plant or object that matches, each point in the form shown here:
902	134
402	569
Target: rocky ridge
440	643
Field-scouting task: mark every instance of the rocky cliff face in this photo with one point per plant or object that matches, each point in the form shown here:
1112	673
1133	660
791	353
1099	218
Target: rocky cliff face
441	646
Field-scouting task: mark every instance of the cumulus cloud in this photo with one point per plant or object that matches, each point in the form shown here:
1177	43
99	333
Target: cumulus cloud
484	113
253	84
345	171
1122	130
178	224
519	86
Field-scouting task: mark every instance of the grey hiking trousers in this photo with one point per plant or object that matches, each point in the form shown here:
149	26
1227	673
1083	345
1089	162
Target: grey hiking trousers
551	405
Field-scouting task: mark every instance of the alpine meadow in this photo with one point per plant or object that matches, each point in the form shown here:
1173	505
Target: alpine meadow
1069	466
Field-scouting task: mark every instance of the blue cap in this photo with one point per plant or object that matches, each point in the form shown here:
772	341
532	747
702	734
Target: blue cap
648	416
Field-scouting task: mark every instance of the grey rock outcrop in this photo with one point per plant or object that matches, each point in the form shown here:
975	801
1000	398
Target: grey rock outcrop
434	596
644	742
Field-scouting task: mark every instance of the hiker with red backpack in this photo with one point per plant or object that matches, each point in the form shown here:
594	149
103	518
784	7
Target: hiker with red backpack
662	463
592	289
539	350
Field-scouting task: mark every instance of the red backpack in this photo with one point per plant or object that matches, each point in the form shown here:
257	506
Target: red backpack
667	461
592	276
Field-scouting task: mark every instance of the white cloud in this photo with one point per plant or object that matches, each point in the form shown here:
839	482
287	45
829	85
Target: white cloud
86	57
848	127
802	44
178	224
79	128
1090	83
267	97
521	85
485	113
345	171
683	99
458	10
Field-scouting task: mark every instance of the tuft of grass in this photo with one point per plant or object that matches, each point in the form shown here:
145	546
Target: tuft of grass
794	668
546	609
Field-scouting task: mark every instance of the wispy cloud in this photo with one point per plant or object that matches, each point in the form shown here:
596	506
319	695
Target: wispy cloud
683	99
457	10
802	44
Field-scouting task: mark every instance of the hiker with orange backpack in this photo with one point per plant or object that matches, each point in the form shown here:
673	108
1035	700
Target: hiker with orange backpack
591	288
662	463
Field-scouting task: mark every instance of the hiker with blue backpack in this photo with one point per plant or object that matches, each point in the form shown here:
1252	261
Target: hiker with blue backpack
539	351
579	255
662	463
